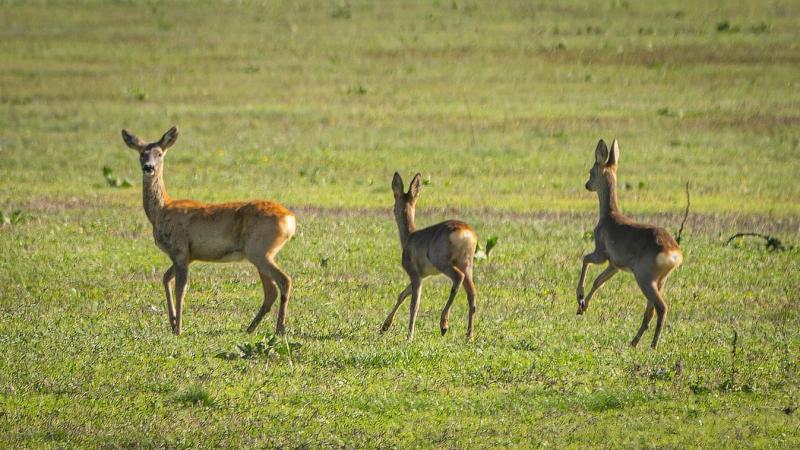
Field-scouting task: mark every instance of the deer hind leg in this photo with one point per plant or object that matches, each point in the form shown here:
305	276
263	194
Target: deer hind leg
457	276
416	292
400	298
181	281
469	286
270	294
266	265
169	275
260	251
648	315
598	282
650	289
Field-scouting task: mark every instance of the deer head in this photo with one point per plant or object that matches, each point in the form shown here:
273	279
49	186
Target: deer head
405	202
605	163
151	156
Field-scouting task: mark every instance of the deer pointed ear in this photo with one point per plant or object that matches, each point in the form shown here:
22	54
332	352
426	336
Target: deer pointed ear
613	157
397	185
414	186
132	141
169	138
601	153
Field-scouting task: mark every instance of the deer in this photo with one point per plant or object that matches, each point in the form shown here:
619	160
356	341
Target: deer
649	252
445	248
187	231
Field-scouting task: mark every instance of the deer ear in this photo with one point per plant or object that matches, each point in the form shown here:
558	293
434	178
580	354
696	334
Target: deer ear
168	138
613	157
601	153
414	186
132	141
397	185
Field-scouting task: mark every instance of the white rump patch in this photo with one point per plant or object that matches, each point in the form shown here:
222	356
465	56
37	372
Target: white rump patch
670	259
289	225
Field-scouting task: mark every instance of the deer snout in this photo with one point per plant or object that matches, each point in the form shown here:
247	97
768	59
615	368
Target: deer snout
148	169
588	185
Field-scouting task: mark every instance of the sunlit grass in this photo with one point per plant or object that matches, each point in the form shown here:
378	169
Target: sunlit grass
315	105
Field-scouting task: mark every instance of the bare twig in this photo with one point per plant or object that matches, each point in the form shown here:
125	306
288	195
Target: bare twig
772	243
685	215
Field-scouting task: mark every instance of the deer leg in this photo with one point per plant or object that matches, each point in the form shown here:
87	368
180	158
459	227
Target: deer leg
648	315
661	282
181	280
458	278
598	282
285	285
169	275
270	294
416	291
469	286
650	290
390	318
267	266
590	258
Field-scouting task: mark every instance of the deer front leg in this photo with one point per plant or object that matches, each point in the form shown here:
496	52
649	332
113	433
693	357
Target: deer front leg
390	318
598	282
590	258
181	279
169	275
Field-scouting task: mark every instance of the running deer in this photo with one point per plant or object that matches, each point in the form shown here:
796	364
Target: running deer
647	251
188	231
447	248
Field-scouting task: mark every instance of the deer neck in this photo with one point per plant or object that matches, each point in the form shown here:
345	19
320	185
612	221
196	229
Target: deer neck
155	196
608	196
405	223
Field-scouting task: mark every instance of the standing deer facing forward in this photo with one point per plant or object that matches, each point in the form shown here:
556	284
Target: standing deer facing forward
647	251
447	248
191	231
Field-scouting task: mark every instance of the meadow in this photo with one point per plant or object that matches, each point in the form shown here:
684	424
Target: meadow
499	106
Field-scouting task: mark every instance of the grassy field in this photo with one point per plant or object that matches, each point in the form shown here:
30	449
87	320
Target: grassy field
317	104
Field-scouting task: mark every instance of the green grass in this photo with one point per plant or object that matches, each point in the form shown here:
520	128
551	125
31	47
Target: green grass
316	104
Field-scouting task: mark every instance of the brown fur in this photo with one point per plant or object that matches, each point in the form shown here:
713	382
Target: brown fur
647	251
188	231
445	248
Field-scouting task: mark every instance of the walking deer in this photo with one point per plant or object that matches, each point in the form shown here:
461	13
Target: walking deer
447	248
188	231
647	251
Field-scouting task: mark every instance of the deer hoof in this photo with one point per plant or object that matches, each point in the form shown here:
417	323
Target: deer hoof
444	331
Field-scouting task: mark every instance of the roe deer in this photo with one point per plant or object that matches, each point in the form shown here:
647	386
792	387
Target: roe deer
188	231
647	251
447	248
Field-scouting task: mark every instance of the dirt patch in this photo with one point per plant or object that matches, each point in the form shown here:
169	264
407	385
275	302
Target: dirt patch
673	55
49	204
